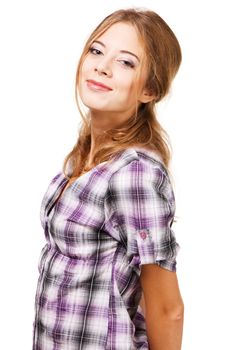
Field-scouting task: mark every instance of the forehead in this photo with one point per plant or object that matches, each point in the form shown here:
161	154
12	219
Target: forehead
122	36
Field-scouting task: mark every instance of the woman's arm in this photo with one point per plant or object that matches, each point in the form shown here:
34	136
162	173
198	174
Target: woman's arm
142	304
164	307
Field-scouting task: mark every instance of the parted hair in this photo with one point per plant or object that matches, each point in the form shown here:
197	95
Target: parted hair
162	56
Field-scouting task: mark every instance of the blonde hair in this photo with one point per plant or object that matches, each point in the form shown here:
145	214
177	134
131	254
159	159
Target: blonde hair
162	54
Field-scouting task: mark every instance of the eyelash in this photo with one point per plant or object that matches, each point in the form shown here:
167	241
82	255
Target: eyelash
128	63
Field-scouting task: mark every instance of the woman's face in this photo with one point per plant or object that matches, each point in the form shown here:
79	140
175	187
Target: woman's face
113	60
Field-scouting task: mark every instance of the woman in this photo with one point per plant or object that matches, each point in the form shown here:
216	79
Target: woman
108	270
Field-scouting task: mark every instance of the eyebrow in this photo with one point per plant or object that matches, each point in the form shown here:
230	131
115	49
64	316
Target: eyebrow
121	51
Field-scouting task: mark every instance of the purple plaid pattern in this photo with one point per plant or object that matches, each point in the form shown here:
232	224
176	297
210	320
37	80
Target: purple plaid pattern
108	223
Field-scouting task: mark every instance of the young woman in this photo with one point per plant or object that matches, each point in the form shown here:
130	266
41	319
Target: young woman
108	270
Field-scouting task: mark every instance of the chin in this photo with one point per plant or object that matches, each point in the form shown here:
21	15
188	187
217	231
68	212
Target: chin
95	104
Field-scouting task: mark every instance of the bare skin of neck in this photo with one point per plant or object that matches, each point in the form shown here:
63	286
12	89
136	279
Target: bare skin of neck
101	121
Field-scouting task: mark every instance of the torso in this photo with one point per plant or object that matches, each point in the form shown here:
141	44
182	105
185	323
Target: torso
67	185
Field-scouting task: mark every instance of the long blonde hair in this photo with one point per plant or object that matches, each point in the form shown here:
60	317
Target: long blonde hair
162	54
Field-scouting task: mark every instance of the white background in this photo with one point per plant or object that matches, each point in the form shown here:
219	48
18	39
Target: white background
40	45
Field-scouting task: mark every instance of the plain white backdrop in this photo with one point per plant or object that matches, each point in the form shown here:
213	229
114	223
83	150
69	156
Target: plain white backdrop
40	46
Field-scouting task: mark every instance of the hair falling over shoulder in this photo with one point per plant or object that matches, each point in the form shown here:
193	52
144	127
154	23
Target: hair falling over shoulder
163	57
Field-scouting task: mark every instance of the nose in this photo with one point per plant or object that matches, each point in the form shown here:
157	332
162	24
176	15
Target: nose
103	68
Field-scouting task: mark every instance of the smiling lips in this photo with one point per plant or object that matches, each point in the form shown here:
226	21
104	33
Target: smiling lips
97	85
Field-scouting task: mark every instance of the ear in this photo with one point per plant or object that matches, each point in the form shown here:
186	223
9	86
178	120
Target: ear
146	96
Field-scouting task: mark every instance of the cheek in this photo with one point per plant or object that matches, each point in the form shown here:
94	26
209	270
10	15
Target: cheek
124	80
129	87
86	66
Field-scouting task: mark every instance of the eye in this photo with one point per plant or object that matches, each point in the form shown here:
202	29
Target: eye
128	63
97	52
94	51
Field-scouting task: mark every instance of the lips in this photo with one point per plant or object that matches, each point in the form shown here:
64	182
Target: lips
97	85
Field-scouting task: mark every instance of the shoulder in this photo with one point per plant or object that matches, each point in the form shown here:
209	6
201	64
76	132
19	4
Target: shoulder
143	173
143	167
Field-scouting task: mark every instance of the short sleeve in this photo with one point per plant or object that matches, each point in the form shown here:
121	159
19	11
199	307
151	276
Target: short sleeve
144	203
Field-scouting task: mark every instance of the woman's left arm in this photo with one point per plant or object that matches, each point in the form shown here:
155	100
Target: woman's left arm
164	307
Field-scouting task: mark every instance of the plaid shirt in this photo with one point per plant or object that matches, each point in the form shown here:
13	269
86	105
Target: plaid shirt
108	223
